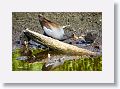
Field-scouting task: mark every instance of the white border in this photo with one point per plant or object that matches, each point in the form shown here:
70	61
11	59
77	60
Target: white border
9	6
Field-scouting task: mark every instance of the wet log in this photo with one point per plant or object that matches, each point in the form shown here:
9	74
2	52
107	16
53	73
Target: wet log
57	45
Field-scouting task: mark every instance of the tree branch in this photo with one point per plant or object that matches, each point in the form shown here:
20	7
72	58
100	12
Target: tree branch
57	45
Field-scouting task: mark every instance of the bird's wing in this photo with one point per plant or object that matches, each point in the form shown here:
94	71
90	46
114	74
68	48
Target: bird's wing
51	25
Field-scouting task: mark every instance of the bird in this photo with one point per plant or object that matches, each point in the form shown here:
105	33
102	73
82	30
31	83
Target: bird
52	29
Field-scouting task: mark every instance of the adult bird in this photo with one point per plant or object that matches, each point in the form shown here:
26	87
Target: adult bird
52	29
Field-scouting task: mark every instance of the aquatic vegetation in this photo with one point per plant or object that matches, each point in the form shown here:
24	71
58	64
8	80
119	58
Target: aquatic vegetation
82	64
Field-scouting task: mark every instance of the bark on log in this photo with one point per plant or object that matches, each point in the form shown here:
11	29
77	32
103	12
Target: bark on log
57	45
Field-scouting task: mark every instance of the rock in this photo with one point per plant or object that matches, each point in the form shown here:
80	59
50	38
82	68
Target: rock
90	38
22	58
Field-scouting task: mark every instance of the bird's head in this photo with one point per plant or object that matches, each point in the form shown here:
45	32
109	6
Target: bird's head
41	18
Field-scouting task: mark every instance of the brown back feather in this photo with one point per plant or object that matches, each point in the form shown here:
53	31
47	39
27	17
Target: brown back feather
48	24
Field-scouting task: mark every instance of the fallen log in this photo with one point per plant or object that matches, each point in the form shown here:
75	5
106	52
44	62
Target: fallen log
57	45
